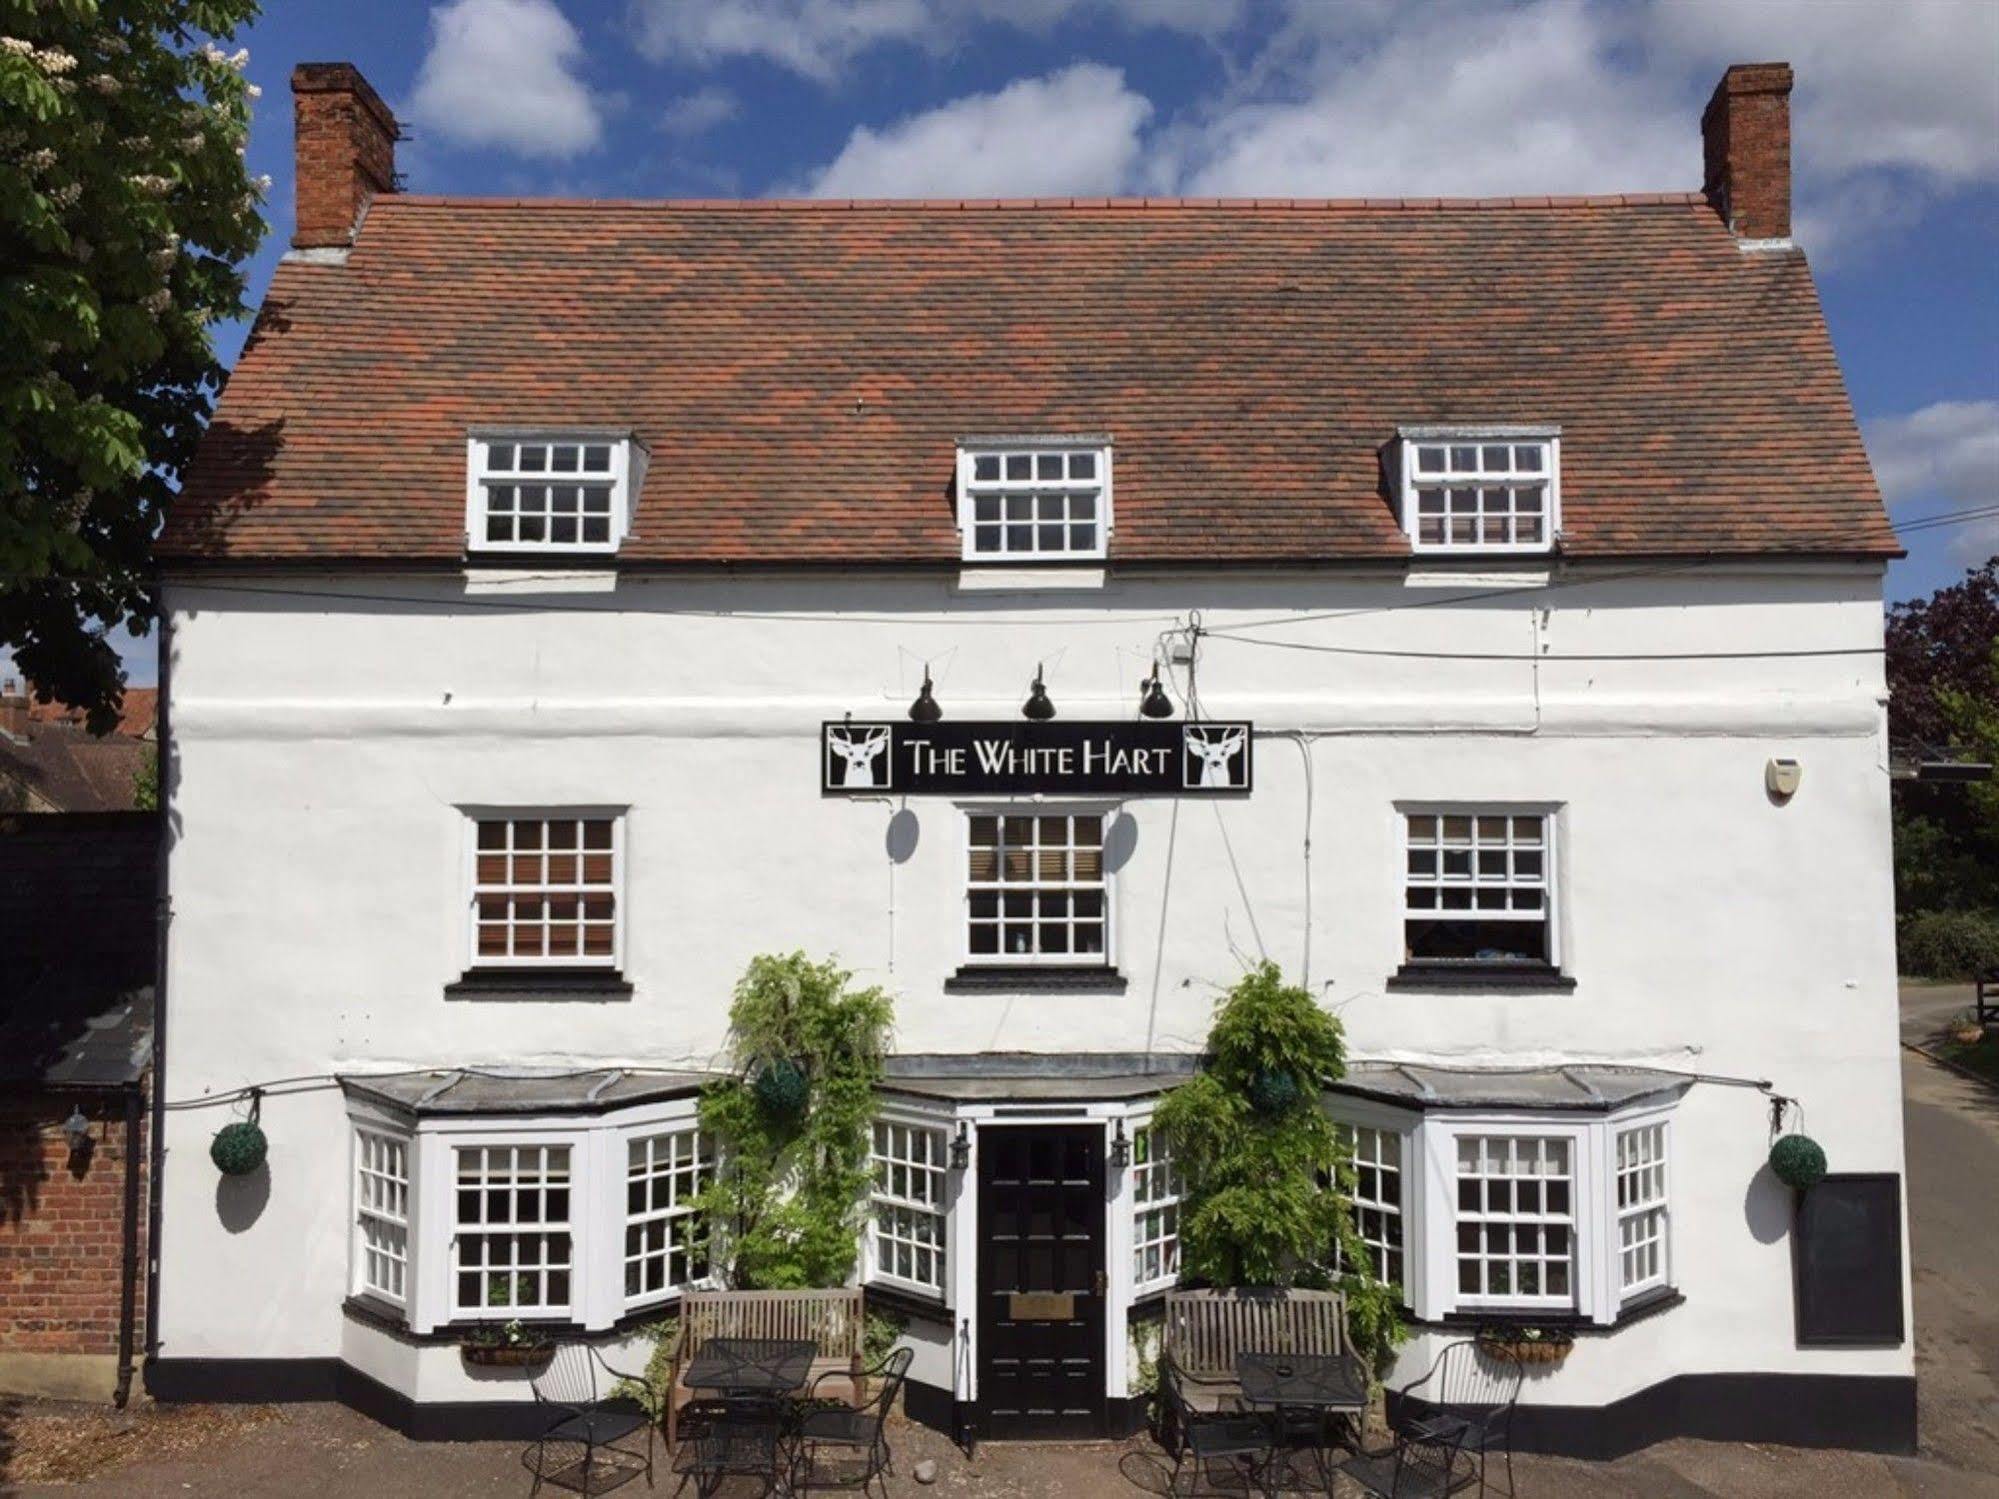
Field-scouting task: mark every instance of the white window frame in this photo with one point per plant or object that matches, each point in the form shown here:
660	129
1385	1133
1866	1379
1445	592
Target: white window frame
1398	1209
1551	885
617	816
545	1227
367	1215
882	1200
625	476
598	1216
1105	813
678	1217
1529	1146
1480	435
1430	1211
1662	1206
1168	1199
970	449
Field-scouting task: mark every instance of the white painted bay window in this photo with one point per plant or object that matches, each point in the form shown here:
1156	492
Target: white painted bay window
577	1220
1026	499
1513	1215
1480	490
529	492
1036	889
1155	1204
907	1207
1479	887
545	889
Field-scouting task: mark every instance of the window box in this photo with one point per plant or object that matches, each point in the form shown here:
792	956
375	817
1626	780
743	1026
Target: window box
1034	499
526	1355
1525	1345
550	493
1486	490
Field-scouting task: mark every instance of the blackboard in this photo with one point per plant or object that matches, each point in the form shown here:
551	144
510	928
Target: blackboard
1849	1260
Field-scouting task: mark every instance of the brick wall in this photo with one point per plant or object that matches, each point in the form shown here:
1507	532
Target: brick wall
344	145
62	1227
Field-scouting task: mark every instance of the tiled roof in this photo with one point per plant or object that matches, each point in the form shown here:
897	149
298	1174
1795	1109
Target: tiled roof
136	714
801	372
57	767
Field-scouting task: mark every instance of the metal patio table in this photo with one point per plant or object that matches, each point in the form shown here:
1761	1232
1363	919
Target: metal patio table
766	1368
1318	1385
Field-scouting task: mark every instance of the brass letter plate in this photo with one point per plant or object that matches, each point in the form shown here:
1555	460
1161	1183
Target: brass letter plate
1041	1306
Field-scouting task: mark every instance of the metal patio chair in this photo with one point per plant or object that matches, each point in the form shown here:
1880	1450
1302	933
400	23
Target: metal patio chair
580	1450
841	1446
1245	1444
1467	1413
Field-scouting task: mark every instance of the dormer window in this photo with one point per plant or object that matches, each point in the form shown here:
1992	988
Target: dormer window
1480	489
549	492
1025	499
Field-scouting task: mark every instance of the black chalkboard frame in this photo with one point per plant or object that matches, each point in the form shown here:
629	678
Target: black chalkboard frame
1827	1317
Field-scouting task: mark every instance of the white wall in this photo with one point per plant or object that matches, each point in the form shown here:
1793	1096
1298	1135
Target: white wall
325	744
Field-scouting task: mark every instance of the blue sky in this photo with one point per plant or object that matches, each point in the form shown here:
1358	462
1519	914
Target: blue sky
1895	128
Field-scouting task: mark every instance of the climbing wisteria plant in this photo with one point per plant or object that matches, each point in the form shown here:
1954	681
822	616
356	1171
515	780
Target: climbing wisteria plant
126	213
1268	1183
784	1210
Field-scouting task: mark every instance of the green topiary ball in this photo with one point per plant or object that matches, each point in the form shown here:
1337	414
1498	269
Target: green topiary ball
1798	1161
780	1086
1272	1092
239	1148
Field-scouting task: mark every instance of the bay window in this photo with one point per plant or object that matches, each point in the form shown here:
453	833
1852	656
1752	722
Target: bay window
1155	1198
511	1230
381	1214
1516	1213
665	1244
907	1206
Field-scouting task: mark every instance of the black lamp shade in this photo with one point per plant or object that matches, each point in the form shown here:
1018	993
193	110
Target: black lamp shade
925	709
1037	706
1155	703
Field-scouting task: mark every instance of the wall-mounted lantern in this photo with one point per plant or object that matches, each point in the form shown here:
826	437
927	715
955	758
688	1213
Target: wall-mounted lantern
1120	1148
961	1148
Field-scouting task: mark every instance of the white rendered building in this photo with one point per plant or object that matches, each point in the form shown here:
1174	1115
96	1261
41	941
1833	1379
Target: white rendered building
543	618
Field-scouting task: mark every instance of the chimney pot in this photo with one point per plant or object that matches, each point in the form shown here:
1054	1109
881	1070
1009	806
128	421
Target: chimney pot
1746	145
344	147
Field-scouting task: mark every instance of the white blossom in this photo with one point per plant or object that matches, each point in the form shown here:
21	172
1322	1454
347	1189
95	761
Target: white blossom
54	61
240	58
159	187
255	91
159	301
189	144
39	161
104	83
67	195
16	45
262	182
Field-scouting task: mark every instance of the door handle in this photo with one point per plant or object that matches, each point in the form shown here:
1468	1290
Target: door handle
1099	1282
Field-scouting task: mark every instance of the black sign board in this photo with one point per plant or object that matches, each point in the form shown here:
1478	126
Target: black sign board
1849	1260
1021	758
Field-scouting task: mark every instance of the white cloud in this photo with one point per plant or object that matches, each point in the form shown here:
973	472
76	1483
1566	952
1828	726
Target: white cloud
1452	102
503	73
821	38
699	112
1072	132
1944	456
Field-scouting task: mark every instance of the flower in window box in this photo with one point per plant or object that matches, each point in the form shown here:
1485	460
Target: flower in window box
1525	1345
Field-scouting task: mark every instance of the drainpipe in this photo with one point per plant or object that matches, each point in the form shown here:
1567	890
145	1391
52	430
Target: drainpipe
128	1270
157	1146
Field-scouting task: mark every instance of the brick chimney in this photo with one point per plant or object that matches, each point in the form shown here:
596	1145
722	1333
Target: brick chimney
345	150
1746	136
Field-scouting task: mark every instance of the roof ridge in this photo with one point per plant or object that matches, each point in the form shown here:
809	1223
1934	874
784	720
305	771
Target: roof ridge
850	205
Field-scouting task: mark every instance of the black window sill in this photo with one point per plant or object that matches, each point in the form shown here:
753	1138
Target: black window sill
1637	1309
540	983
1027	978
1511	976
372	1311
905	1303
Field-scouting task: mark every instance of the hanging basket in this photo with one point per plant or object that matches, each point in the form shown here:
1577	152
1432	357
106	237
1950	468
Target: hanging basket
507	1355
1798	1161
1515	1345
1273	1092
780	1087
239	1148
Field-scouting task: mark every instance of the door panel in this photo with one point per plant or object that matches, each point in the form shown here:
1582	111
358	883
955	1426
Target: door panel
1041	1296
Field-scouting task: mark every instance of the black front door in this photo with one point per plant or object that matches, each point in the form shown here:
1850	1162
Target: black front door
1041	1281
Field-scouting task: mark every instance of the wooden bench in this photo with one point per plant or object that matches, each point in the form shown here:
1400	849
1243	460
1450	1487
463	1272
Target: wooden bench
1205	1330
833	1320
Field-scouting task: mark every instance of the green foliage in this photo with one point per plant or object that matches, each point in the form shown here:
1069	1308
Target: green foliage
784	1211
1949	944
125	216
1798	1161
1257	1159
650	1392
146	784
239	1148
880	1332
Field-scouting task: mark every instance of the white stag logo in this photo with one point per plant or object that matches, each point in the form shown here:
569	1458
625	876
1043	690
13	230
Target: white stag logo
859	753
1214	755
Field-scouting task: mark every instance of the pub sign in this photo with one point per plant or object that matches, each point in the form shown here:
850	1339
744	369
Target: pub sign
1016	757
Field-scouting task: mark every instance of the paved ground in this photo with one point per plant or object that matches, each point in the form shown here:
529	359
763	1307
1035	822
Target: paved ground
1953	1142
